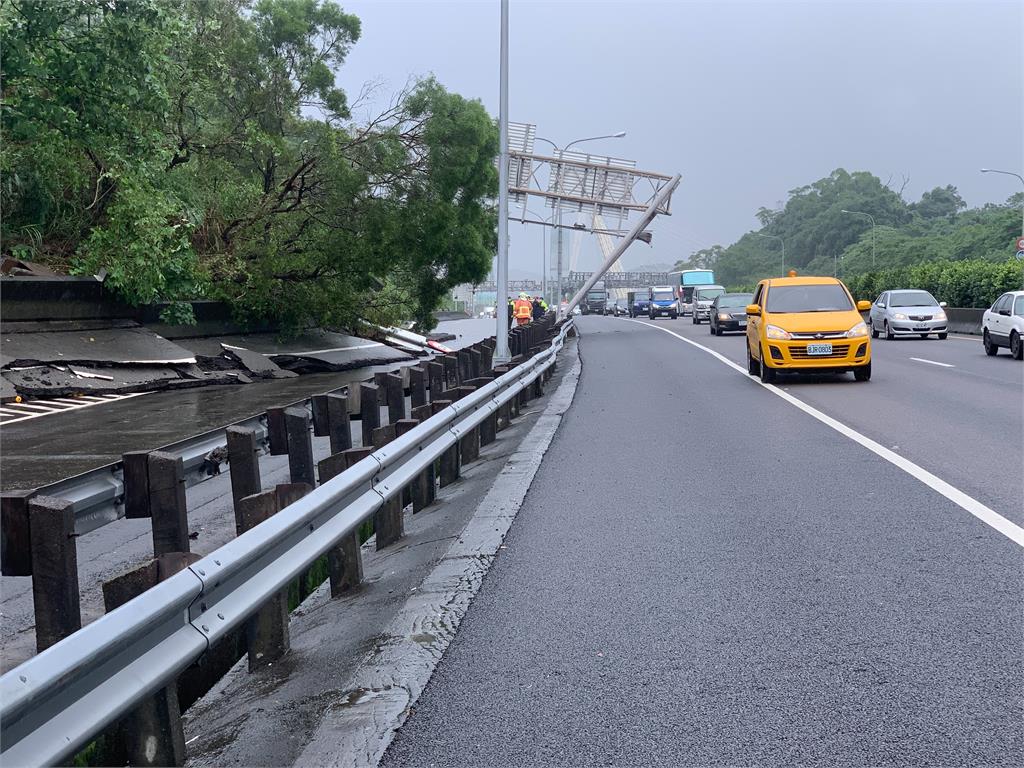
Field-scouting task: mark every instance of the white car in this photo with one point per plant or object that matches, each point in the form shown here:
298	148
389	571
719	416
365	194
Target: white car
1003	325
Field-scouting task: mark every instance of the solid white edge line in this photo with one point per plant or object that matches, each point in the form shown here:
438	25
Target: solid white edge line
932	362
988	516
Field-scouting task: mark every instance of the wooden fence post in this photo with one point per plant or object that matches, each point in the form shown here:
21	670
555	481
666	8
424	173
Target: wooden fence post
318	407
369	412
417	386
344	561
54	569
436	376
15	539
388	522
277	432
135	466
339	426
167	503
300	447
244	460
267	631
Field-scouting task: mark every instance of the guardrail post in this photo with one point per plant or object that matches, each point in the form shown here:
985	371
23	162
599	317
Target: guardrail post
451	371
244	460
344	561
15	541
417	386
267	631
152	733
167	503
488	427
396	397
339	427
300	447
401	427
469	444
369	412
475	362
277	432
465	373
537	387
135	469
54	569
449	462
503	418
486	355
318	407
387	520
435	375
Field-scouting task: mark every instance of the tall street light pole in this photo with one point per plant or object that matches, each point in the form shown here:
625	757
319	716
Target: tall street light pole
776	237
872	218
501	351
558	209
1010	173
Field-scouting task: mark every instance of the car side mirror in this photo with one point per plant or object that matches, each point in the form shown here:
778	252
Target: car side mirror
753	310
863	306
943	304
1004	312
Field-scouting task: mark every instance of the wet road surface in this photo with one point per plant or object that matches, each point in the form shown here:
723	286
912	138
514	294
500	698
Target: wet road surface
41	451
703	574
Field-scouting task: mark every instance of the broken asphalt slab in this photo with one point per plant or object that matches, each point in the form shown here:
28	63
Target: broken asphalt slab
310	351
112	346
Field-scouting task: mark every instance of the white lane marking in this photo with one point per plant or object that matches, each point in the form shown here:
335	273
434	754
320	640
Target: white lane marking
988	516
932	362
85	403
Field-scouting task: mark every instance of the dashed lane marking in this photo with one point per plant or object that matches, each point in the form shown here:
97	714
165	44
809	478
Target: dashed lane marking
988	516
932	362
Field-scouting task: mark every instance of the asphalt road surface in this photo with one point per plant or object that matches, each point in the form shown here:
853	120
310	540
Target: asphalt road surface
705	573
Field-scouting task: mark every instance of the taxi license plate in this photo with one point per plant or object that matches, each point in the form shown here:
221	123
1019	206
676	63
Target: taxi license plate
819	349
920	327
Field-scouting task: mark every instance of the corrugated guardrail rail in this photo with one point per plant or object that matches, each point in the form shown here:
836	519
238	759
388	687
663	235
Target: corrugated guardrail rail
55	703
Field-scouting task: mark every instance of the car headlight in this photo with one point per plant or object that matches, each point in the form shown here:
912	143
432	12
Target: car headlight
898	316
774	332
723	316
860	329
940	315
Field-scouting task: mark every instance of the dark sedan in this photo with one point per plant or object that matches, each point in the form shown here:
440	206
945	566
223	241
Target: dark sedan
729	312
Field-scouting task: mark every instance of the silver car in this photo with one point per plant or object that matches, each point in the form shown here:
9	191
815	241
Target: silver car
907	313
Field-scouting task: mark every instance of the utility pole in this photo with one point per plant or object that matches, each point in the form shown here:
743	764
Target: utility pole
501	351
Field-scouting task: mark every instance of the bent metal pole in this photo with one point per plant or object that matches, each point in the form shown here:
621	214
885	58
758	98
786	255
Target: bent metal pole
647	218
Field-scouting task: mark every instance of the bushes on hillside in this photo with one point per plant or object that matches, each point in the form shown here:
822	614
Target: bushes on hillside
967	283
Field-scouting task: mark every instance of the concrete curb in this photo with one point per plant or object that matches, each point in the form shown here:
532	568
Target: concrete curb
393	675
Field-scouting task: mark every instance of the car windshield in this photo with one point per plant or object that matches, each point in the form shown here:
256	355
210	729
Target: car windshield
730	300
595	295
709	294
912	299
662	296
828	297
1018	306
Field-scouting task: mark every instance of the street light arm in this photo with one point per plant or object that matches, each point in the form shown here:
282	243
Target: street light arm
1006	173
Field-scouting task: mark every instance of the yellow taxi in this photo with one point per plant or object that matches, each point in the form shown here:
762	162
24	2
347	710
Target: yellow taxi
808	324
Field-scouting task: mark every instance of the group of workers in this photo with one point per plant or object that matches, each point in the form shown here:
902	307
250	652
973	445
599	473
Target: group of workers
524	309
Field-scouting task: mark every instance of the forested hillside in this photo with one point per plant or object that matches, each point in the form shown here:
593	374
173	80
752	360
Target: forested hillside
964	253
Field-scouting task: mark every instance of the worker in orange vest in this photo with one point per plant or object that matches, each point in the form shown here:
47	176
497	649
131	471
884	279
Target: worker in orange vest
523	309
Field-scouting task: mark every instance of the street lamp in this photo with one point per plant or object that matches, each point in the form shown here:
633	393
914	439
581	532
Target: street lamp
501	352
776	237
861	213
1010	173
558	206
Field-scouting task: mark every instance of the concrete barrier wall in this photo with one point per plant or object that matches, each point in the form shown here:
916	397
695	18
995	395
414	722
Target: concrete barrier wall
964	320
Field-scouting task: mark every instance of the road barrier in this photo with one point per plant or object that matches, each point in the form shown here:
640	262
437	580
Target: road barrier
128	663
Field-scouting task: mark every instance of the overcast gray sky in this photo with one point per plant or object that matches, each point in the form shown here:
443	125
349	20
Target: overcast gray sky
745	100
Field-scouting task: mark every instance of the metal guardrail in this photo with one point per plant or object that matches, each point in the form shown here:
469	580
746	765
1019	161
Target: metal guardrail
98	494
53	704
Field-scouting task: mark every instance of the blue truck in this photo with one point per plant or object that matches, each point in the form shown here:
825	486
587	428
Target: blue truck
664	302
638	302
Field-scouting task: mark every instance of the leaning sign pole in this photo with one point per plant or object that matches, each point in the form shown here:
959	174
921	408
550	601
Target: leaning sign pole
652	210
